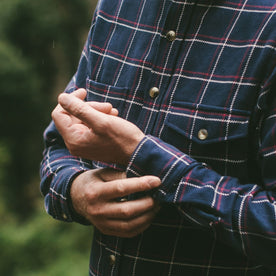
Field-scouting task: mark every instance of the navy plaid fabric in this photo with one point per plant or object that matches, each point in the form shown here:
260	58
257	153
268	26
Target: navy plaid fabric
210	133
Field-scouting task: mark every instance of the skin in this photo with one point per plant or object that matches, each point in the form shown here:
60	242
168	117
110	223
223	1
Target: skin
93	131
95	134
95	193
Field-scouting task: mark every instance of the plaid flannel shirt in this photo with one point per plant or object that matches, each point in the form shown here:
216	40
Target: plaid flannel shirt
210	125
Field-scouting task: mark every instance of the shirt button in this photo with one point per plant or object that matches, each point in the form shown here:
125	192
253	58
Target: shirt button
112	259
202	134
123	199
154	92
171	35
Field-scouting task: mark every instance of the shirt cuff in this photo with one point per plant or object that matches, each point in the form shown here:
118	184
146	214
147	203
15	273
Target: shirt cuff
72	214
58	201
155	157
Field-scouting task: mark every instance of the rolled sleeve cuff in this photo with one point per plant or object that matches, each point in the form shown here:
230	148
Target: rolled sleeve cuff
155	157
59	204
73	215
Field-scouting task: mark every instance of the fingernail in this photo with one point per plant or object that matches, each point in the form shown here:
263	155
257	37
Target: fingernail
154	181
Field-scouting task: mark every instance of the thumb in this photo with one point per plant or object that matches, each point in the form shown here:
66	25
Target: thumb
104	107
82	110
80	93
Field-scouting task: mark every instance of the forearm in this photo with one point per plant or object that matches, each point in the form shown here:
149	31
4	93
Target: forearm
243	215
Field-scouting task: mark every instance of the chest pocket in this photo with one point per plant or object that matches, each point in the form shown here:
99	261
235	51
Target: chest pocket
210	134
100	92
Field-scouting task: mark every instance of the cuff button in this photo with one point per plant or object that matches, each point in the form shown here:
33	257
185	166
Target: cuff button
112	259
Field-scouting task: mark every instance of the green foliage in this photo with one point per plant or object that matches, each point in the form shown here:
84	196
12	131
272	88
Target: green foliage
40	44
42	246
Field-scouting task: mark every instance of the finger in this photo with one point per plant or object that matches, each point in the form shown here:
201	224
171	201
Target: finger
123	187
109	174
63	120
127	210
80	93
82	110
60	117
126	228
60	111
102	107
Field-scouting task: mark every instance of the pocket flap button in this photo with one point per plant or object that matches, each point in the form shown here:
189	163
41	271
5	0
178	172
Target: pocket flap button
202	134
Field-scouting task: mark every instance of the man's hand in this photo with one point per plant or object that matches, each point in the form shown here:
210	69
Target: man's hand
95	196
93	133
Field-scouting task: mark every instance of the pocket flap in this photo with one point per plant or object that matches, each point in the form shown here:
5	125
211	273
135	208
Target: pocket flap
207	124
105	93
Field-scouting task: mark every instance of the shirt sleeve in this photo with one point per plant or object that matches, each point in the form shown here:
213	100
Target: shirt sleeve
242	215
58	167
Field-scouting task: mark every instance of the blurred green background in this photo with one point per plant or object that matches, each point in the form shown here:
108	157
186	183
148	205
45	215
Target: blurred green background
40	44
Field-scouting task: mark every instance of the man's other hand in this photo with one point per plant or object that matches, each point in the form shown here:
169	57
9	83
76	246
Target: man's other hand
95	195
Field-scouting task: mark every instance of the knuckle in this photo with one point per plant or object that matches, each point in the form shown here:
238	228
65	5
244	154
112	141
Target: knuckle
125	211
95	211
55	113
91	195
126	227
120	187
76	107
103	126
79	109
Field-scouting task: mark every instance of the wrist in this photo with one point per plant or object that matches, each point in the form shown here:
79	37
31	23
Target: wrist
155	157
131	147
72	204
